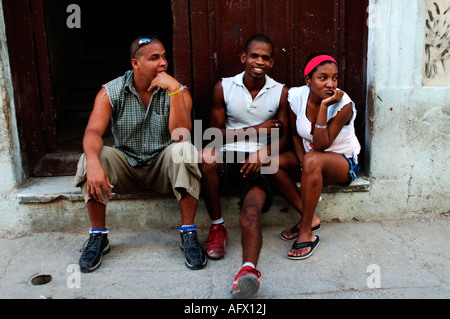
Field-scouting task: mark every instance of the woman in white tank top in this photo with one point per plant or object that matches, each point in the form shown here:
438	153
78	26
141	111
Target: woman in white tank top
325	145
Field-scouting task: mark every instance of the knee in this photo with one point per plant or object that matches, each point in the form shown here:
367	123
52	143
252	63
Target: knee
181	162
184	152
209	160
310	164
250	216
312	170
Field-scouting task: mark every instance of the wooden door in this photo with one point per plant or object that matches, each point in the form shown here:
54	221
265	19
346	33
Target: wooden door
58	68
216	32
30	70
205	38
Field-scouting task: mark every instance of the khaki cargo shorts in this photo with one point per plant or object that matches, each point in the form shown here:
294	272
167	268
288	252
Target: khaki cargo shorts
174	169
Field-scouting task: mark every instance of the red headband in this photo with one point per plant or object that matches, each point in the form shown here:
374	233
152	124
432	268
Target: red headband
316	61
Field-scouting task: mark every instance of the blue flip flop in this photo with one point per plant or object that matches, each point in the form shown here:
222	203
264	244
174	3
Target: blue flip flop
312	244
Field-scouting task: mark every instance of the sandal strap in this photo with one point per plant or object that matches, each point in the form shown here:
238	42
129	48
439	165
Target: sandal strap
294	229
304	244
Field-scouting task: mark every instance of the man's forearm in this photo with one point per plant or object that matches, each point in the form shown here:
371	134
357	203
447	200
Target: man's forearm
92	145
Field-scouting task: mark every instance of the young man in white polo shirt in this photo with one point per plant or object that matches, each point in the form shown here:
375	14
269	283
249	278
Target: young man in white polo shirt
251	105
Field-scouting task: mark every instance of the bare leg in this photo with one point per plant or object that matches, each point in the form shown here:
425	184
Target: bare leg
283	181
188	208
97	214
250	220
318	169
210	182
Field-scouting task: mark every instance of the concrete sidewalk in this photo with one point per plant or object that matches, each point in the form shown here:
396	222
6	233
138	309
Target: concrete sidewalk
407	258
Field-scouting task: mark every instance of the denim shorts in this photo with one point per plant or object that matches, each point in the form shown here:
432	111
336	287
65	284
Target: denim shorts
354	169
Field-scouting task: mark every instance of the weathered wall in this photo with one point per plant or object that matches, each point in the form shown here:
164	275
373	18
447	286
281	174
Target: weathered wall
10	161
410	146
11	171
408	116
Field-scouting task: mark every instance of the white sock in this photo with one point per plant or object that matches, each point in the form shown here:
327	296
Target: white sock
248	264
218	221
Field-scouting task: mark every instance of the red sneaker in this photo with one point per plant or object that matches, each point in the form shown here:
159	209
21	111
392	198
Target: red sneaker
246	283
216	241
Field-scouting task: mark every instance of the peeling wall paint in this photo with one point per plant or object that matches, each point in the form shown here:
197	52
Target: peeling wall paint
11	169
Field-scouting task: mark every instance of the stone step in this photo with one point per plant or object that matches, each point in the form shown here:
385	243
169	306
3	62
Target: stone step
54	204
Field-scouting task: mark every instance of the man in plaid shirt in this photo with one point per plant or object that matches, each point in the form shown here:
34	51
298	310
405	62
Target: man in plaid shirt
149	111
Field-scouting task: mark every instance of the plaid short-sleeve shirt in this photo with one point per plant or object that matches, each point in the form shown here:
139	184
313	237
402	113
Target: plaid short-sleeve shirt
140	133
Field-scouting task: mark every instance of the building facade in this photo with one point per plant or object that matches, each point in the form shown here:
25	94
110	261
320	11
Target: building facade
394	62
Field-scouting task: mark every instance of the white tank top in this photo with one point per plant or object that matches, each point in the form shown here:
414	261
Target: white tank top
345	143
244	111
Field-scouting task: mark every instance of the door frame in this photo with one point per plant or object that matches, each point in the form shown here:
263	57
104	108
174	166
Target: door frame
31	78
195	64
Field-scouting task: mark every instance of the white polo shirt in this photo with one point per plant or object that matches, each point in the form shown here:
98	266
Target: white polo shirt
244	111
